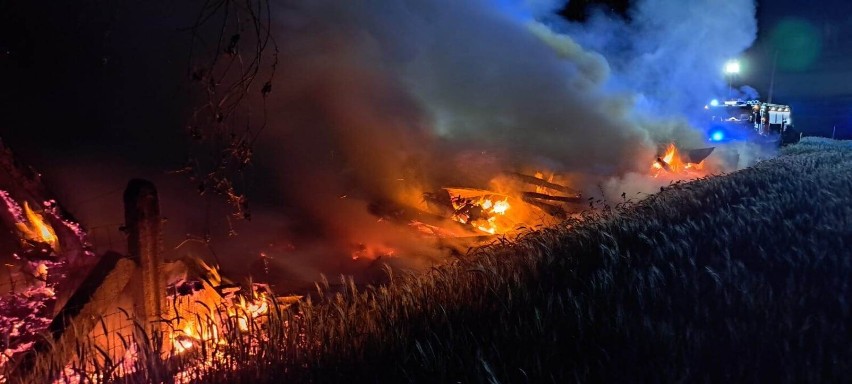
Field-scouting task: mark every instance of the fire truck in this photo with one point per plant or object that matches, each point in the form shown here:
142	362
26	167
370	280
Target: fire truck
741	119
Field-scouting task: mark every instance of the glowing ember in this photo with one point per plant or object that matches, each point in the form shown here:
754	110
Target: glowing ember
501	207
183	343
249	311
371	252
480	212
37	229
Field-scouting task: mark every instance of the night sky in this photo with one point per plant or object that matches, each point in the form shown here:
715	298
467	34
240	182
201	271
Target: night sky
81	69
814	61
809	44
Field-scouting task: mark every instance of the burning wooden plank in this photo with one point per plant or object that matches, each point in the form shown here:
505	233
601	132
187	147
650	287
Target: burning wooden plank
696	156
541	196
431	230
543	183
550	209
665	165
677	161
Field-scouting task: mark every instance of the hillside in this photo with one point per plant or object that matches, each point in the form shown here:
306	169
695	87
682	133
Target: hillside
738	277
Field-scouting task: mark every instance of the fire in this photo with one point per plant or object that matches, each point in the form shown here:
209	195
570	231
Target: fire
673	162
372	251
242	311
481	212
192	334
501	207
239	314
670	161
37	229
248	311
183	342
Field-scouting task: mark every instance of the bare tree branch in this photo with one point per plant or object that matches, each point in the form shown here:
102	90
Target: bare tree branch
228	72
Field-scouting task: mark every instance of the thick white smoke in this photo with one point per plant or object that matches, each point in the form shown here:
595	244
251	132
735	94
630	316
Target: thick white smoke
379	101
670	53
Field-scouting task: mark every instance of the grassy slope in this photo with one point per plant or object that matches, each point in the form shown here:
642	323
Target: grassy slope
743	277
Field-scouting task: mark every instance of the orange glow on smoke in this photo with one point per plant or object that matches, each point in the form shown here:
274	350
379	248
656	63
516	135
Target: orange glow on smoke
372	252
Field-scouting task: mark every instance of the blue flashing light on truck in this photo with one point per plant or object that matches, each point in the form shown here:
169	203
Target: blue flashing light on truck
736	120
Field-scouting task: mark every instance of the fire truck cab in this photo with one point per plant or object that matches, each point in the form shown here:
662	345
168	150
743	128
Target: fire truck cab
739	119
771	118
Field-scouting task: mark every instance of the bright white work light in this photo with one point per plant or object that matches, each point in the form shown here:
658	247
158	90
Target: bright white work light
732	67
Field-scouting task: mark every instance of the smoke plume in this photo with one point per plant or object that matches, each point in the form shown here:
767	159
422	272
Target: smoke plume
380	101
375	102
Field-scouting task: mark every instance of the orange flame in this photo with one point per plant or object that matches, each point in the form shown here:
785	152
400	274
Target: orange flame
491	209
37	229
672	163
193	334
247	312
244	312
501	207
184	342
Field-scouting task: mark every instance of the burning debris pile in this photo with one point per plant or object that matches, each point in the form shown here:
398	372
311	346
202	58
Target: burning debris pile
59	300
202	305
518	201
211	317
501	213
514	201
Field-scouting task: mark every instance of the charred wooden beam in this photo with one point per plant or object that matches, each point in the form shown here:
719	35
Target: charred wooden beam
543	183
664	164
541	196
550	209
142	223
439	202
696	155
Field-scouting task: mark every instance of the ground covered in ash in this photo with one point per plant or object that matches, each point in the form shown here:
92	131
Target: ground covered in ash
741	277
